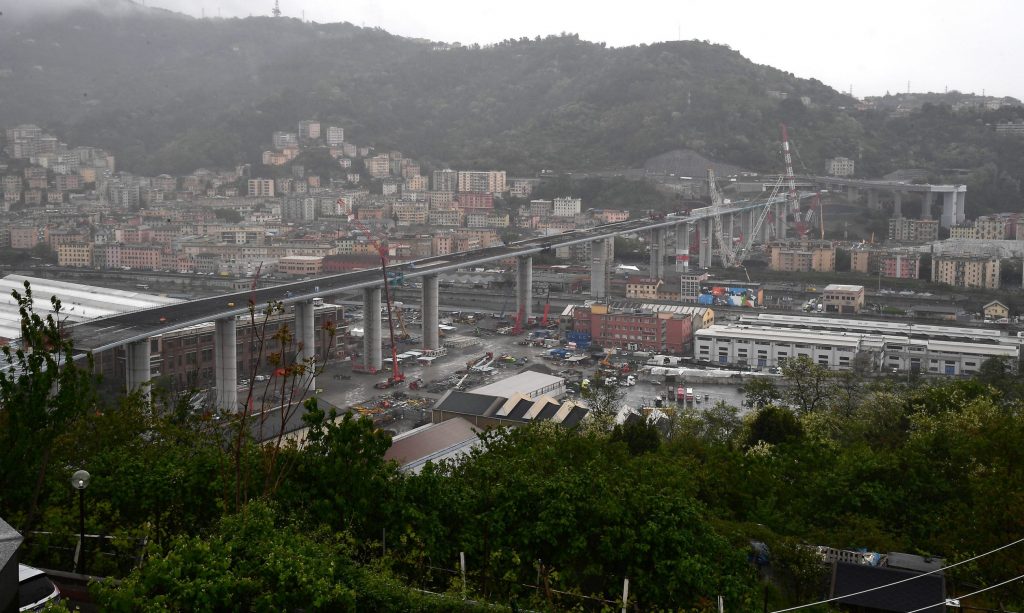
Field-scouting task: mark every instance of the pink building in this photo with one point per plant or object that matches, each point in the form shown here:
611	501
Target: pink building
900	265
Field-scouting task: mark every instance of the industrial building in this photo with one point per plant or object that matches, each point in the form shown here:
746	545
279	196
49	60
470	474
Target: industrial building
838	298
835	343
635	329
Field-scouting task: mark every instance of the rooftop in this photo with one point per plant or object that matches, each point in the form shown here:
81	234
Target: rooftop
523	383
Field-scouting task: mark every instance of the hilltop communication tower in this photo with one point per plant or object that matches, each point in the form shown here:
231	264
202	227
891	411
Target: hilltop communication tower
277	9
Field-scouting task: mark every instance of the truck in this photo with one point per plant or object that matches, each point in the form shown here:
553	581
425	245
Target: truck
558	353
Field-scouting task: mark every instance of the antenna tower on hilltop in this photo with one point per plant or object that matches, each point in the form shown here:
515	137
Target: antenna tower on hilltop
277	9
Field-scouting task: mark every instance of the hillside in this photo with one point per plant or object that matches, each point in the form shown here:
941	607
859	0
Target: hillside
169	93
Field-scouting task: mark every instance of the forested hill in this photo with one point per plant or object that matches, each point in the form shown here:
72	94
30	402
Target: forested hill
169	93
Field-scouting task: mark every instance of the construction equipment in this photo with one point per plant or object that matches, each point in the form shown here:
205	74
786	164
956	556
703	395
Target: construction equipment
481	364
547	309
726	250
382	250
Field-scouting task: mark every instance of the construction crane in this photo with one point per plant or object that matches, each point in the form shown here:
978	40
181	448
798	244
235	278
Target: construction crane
726	250
382	250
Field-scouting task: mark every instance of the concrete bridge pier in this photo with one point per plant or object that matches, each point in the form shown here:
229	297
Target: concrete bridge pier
657	253
599	269
926	205
960	214
781	211
136	369
683	247
953	208
897	204
305	334
873	203
225	355
731	232
372	359
524	288
431	335
705	243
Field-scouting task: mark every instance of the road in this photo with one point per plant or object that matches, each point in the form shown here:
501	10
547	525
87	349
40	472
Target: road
114	331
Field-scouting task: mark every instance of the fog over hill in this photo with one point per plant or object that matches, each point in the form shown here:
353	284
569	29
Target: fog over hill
169	93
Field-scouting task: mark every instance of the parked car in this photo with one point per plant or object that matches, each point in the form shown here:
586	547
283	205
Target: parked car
35	589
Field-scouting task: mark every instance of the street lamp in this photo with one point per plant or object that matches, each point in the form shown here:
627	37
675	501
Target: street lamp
80	481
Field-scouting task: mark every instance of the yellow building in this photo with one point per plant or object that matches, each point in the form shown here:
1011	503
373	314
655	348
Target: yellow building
966	270
643	288
75	255
803	256
995	310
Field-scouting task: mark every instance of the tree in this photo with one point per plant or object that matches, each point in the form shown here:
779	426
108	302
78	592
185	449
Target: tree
253	562
759	392
811	386
42	391
640	436
228	215
773	425
604	401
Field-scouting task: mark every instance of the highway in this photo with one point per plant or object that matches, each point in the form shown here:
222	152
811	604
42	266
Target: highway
114	331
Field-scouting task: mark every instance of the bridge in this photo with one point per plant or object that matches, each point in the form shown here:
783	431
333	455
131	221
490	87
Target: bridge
954	197
134	330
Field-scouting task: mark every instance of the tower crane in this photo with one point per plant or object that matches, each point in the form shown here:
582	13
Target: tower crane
382	250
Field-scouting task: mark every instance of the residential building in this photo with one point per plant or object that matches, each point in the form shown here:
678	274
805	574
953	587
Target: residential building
803	256
475	200
442	217
635	329
839	167
285	139
541	208
522	188
335	136
416	183
75	255
846	299
410	213
992	228
379	166
964	231
300	265
491	181
309	130
900	265
966	270
889	263
261	188
995	310
446	180
566	207
643	289
609	215
690	286
440	199
906	230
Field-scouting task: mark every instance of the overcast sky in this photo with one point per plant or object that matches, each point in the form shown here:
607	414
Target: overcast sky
872	45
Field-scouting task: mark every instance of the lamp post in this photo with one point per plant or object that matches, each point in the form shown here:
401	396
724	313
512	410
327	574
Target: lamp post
80	481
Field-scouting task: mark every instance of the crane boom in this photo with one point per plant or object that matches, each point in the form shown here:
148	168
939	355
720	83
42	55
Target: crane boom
726	250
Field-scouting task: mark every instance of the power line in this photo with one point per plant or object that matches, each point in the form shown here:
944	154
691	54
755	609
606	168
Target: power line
984	589
880	587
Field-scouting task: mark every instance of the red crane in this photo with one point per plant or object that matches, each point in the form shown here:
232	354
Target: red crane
382	250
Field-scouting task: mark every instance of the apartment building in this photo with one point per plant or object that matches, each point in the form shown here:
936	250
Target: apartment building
906	230
490	181
803	256
75	255
261	188
379	166
839	167
966	270
566	207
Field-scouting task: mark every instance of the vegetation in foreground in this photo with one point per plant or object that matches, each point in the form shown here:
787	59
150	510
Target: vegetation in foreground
546	518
